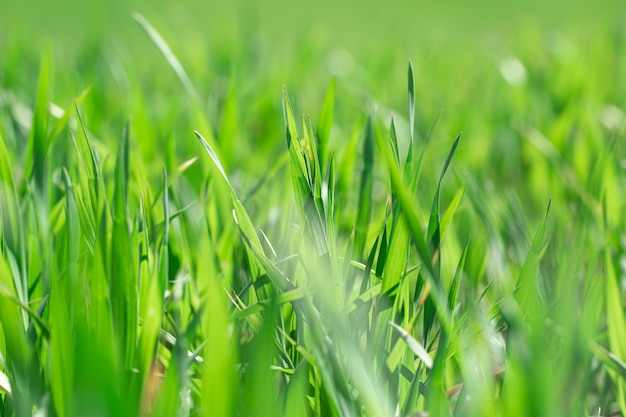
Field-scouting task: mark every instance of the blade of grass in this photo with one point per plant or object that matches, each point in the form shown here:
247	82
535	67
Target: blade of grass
169	56
411	92
615	316
415	346
36	163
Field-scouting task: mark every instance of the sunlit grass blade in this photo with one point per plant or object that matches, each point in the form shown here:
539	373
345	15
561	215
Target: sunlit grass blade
415	346
5	385
610	360
303	183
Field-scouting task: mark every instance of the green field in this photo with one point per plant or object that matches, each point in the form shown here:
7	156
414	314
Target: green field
312	209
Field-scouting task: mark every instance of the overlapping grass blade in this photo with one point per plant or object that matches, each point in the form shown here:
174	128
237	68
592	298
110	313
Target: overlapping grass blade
304	182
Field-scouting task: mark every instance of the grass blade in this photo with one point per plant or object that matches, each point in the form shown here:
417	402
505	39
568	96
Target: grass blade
122	282
325	123
411	91
169	56
36	163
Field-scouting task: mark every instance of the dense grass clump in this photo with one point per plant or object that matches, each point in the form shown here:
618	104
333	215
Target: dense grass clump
182	237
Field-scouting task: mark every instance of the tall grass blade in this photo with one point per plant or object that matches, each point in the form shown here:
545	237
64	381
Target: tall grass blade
365	192
325	124
36	162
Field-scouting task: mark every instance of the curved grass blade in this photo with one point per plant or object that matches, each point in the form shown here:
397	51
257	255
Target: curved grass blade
67	114
415	346
609	359
169	56
434	231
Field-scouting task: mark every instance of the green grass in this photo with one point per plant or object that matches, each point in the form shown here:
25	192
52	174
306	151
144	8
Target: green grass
313	229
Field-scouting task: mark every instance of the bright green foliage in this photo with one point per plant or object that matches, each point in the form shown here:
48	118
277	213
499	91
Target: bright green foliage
319	255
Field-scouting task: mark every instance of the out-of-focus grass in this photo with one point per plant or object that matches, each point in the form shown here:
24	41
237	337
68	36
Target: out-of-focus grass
338	250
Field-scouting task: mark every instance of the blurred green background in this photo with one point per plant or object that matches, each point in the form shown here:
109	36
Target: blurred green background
239	55
344	21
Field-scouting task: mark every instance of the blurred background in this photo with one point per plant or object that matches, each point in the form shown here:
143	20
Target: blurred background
345	22
497	69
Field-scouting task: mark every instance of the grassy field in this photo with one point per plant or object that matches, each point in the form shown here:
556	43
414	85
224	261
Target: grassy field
265	211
